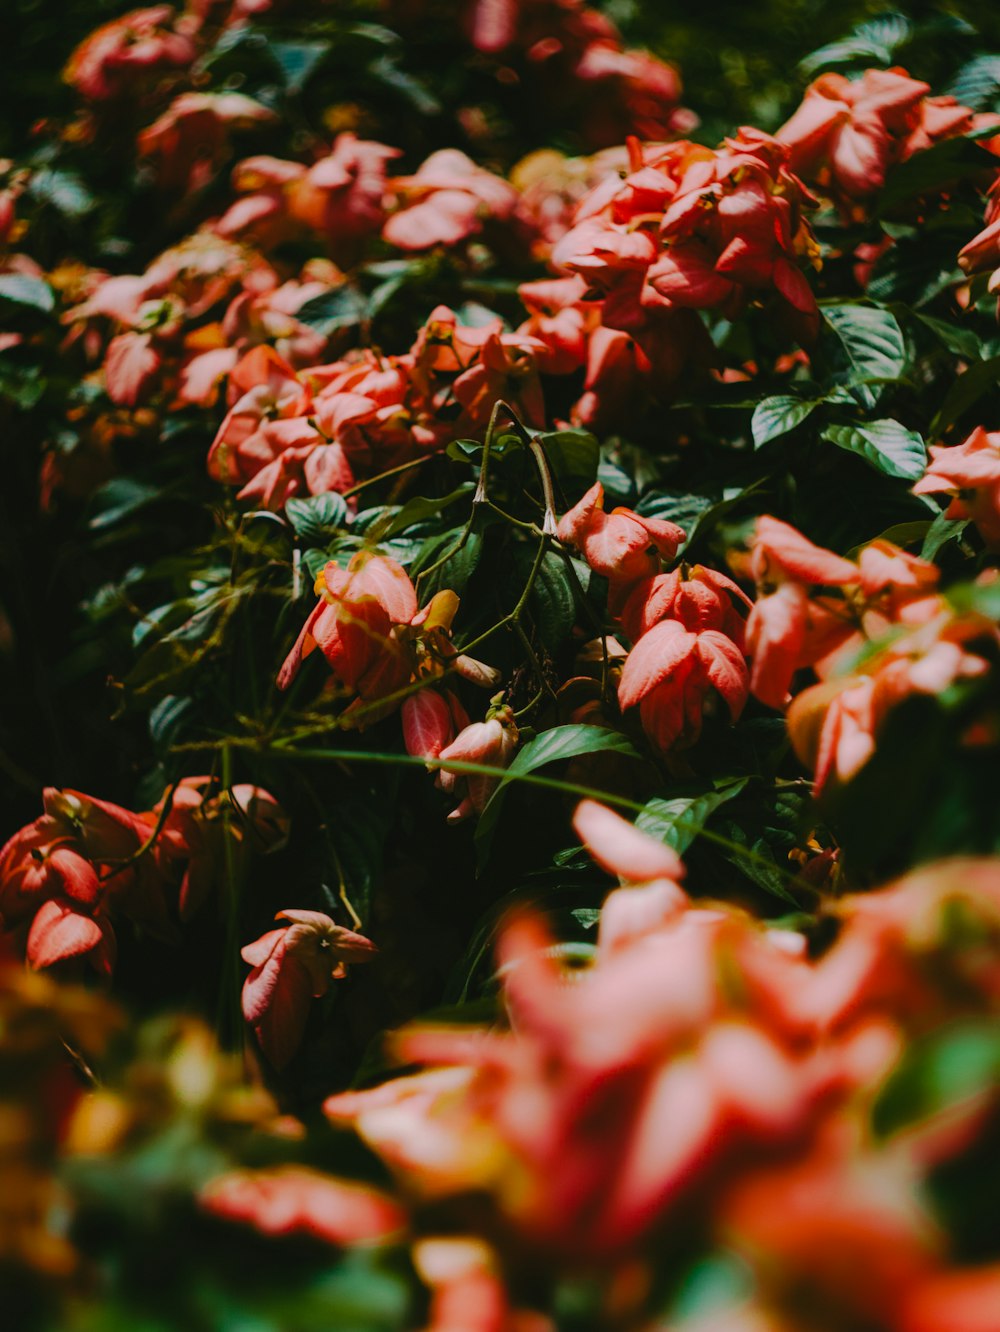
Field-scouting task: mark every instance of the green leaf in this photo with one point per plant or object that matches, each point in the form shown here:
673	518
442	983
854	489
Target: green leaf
964	342
456	570
561	742
776	416
677	822
967	389
886	445
552	602
118	498
22	385
64	190
20	289
939	1071
684	510
573	456
941	164
298	61
317	518
941	531
873	42
977	84
871	339
412	90
340	307
420	508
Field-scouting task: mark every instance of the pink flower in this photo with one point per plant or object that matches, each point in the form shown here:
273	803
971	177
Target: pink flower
352	624
446	202
670	673
341	195
971	473
784	619
294	1200
852	129
621	545
292	966
491	743
117	57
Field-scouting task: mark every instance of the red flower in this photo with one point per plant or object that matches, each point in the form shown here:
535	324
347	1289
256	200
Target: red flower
669	674
293	1200
621	545
292	966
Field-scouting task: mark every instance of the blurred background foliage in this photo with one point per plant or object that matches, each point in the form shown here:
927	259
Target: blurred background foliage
741	63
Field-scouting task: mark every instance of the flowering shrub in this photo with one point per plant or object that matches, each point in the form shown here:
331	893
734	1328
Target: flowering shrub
467	515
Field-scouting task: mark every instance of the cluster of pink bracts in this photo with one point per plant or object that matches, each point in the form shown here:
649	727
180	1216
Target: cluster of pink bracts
888	598
65	877
686	625
701	1057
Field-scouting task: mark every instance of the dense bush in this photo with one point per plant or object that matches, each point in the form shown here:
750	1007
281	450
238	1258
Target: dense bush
477	507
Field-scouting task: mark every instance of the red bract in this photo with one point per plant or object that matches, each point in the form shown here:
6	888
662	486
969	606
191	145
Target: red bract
120	58
970	472
848	133
293	1200
449	200
698	598
353	621
670	673
852	130
492	743
590	1121
292	966
622	545
188	143
61	931
786	630
693	229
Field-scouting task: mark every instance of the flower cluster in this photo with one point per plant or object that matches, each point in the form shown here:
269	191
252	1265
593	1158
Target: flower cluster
67	876
689	229
686	625
876	631
847	134
695	1047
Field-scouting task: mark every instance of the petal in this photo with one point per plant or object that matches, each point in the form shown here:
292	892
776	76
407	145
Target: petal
620	848
725	667
58	932
658	653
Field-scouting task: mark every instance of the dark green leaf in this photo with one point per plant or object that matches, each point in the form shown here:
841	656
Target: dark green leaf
941	531
64	190
22	385
776	416
977	84
458	562
573	456
886	445
871	339
298	61
420	508
873	42
938	1072
340	307
118	498
964	342
20	289
552	602
562	742
930	170
316	518
967	389
678	821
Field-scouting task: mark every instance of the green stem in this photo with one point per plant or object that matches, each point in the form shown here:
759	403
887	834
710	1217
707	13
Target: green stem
382	476
385	758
